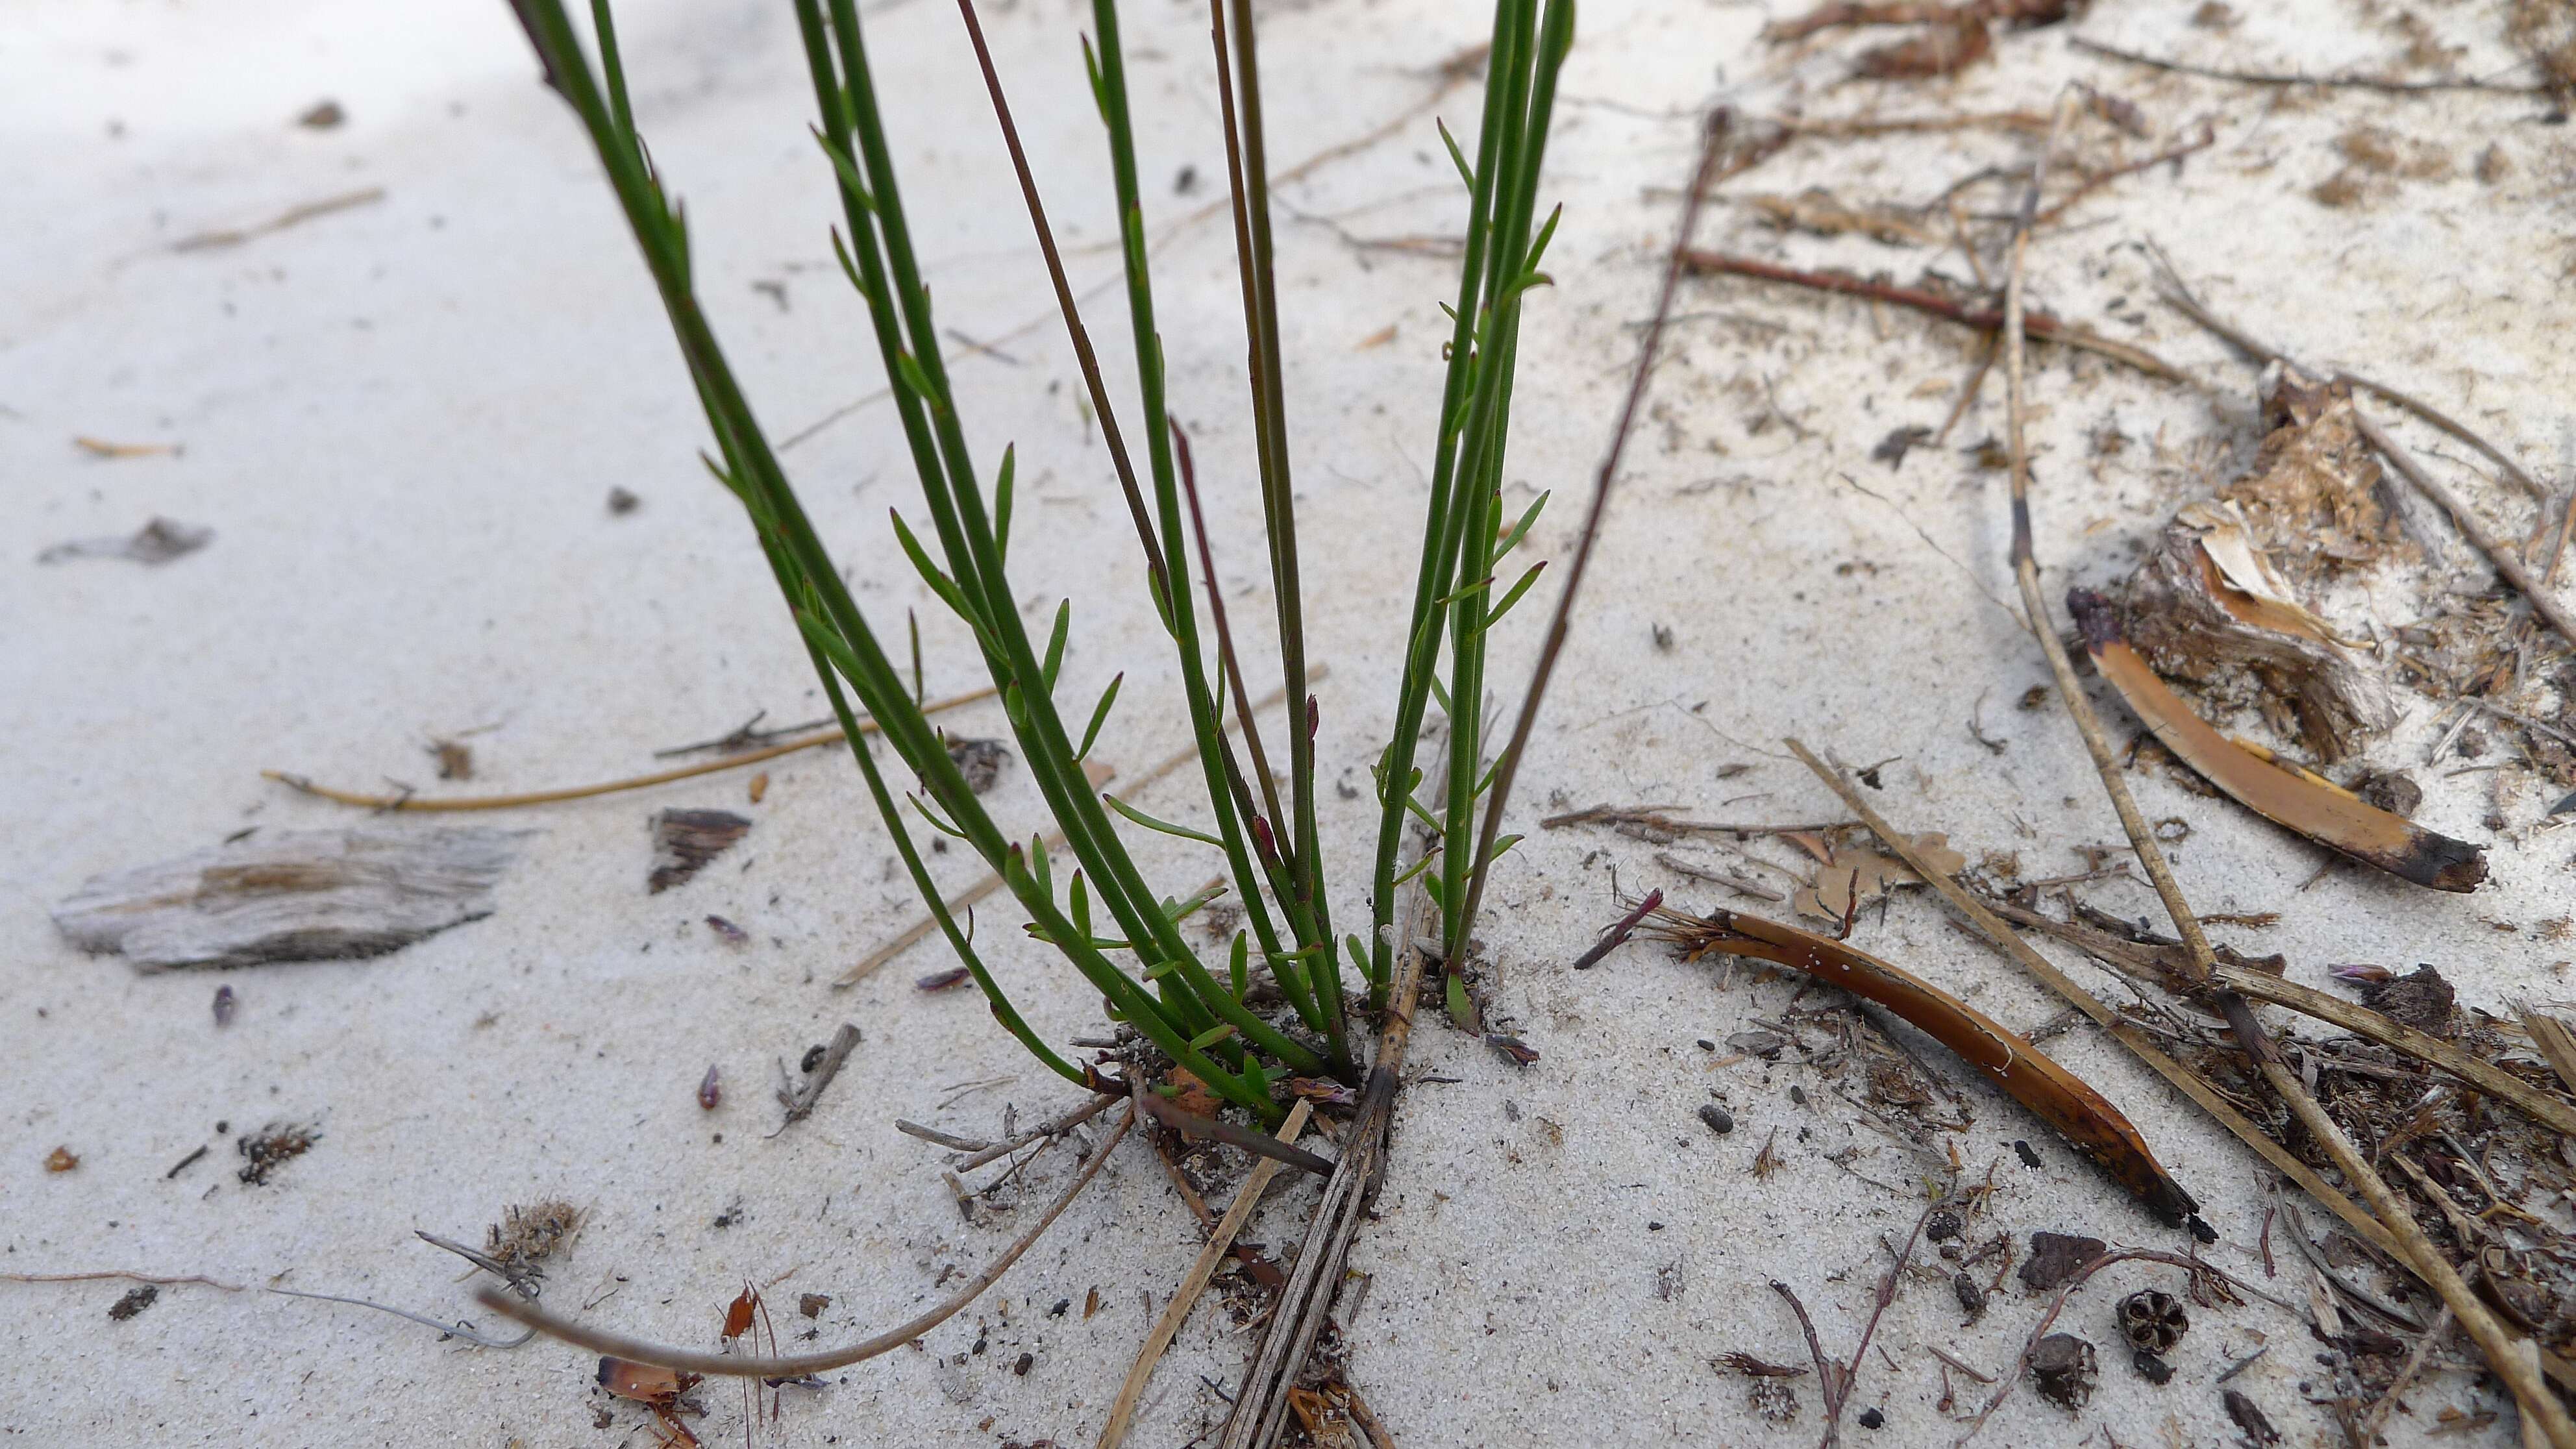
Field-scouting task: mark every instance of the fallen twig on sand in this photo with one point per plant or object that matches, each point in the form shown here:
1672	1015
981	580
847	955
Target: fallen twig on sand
1618	932
1835	1378
2128	1033
2201	1273
2552	1112
406	800
1247	1197
799	1099
1652	817
686	1360
1967	314
2506	563
2512	1356
2295	78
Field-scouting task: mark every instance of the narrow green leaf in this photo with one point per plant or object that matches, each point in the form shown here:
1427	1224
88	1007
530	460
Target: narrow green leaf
1520	530
908	369
940	583
1418	866
1461	1010
1055	645
1546	234
926	813
852	184
1502	847
1514	597
1164	826
912	625
1466	172
1100	716
1002	510
1212	1035
849	268
1080	906
1041	868
1240	967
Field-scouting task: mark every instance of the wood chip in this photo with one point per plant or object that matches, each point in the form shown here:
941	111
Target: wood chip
303	895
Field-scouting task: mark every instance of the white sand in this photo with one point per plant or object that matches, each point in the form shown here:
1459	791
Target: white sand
401	420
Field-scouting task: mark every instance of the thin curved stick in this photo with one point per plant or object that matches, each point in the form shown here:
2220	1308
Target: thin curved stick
697	1361
412	802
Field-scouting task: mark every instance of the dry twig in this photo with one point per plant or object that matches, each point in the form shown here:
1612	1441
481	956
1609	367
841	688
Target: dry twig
406	800
2512	1356
685	1360
1195	1281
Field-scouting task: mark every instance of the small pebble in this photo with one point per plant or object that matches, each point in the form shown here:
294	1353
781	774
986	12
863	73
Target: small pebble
1719	1120
1871	1418
1027	1361
223	1006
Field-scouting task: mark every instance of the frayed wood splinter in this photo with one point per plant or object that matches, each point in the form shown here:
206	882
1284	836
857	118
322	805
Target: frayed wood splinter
2329	816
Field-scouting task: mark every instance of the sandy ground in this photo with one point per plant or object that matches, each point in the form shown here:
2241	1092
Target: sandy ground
401	419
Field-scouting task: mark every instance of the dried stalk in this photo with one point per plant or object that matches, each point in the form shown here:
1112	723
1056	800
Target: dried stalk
2551	1111
1195	1282
696	1361
409	801
2486	543
2036	324
2512	1357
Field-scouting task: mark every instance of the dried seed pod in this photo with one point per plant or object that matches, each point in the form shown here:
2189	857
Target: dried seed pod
710	1090
2063	1368
2151	1368
1972	1295
2152	1321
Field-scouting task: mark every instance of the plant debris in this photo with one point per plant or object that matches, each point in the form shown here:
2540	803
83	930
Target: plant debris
2064	1369
526	1237
157	542
136	1299
272	1147
2059	1097
980	761
820	1067
2054	1257
2152	1321
2262	783
61	1159
2250	1418
302	895
685	840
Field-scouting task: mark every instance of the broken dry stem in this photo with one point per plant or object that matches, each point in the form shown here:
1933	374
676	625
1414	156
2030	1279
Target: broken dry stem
1305	1301
2470	528
2128	1034
2551	1111
1195	1281
684	1360
2513	1358
406	800
2035	324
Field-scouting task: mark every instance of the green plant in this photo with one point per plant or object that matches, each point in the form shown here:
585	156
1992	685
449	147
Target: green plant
1096	908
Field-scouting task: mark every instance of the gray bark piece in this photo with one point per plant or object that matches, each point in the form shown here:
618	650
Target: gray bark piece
303	895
